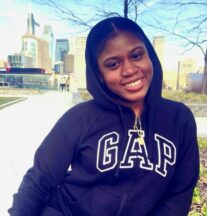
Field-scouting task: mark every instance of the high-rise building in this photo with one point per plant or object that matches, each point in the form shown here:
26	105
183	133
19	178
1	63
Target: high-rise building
185	67
58	68
159	46
49	37
68	64
31	24
30	48
38	49
44	60
62	48
77	48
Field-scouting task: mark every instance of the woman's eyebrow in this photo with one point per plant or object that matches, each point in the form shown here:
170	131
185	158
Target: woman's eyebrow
111	58
140	47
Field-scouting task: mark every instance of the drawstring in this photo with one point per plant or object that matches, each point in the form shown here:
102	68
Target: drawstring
145	137
140	133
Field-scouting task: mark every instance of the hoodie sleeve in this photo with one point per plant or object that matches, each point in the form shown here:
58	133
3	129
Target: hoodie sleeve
178	198
51	163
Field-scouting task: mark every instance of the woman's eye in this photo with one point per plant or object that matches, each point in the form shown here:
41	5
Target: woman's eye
137	56
112	65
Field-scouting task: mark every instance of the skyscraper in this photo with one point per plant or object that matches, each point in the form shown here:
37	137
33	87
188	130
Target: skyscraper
77	48
38	49
185	67
62	48
159	46
49	37
68	66
31	24
30	48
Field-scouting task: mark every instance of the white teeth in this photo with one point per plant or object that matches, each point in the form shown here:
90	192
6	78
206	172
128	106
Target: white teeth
133	83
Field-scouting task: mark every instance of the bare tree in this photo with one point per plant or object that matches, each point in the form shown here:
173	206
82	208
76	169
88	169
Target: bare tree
130	9
171	17
190	27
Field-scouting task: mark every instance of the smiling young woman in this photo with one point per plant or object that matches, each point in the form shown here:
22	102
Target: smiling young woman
126	69
132	152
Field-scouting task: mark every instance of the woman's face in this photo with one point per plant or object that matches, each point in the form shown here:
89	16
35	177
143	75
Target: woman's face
126	68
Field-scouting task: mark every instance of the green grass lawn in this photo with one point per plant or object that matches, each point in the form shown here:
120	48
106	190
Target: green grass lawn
185	97
4	100
202	142
199	205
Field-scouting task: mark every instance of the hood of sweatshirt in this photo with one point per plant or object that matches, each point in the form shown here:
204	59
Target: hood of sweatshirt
102	95
97	89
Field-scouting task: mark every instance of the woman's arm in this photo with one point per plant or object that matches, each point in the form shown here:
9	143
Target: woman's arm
178	197
51	163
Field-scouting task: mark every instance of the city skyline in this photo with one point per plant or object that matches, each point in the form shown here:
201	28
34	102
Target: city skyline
13	22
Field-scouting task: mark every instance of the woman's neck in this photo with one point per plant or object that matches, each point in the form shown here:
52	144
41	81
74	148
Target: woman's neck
138	108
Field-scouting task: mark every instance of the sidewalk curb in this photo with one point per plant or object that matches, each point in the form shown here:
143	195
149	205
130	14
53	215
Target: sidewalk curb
12	102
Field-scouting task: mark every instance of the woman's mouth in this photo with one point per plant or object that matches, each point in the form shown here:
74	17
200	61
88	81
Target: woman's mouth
133	84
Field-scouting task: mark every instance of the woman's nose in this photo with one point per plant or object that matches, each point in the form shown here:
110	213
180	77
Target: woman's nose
129	68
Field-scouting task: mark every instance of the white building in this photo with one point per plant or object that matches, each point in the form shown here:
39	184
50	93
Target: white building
77	48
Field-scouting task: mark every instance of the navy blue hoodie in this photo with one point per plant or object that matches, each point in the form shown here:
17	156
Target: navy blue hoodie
93	164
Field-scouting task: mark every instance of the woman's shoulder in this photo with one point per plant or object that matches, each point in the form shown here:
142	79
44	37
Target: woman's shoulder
79	115
173	105
176	109
85	106
84	110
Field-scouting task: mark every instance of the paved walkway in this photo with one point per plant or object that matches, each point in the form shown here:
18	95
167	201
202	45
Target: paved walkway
22	128
201	126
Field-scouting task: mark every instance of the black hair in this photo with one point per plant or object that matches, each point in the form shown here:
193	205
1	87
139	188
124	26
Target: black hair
107	29
111	28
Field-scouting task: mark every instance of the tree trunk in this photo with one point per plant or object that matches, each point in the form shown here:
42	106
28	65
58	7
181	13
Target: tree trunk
178	77
126	8
204	85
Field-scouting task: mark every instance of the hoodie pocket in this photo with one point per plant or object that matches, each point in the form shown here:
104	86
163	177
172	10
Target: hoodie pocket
95	202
